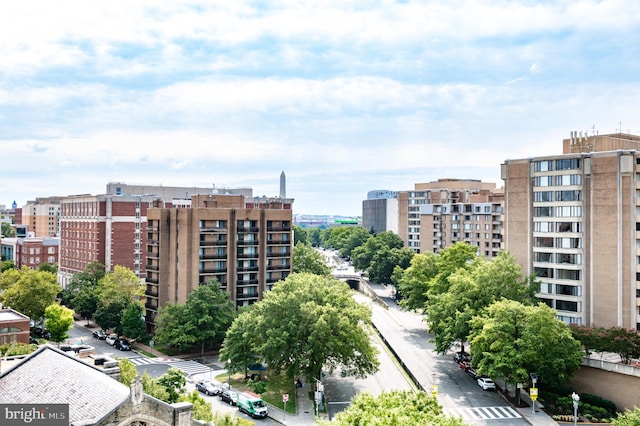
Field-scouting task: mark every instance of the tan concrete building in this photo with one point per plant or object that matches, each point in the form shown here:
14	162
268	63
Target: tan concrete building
243	244
42	216
574	220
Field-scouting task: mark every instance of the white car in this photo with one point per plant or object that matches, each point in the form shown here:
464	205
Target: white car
111	339
486	383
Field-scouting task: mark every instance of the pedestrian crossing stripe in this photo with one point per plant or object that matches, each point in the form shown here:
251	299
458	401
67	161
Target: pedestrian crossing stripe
142	361
484	413
188	367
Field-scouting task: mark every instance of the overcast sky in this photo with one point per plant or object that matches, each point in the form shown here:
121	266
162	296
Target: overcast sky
343	96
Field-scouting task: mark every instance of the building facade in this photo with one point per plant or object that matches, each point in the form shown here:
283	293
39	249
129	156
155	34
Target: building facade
110	229
30	252
42	216
14	327
435	215
244	245
380	211
574	221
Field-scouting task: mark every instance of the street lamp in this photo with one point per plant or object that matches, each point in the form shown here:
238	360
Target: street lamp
575	398
229	372
533	392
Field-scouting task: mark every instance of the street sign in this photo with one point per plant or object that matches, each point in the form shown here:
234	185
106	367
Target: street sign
434	390
533	393
285	397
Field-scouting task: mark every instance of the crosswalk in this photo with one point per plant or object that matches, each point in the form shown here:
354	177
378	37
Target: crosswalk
187	367
483	413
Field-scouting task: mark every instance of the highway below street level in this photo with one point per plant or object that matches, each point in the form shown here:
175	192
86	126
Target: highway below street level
458	393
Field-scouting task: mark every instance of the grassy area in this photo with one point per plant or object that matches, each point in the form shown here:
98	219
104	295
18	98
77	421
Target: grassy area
277	386
145	353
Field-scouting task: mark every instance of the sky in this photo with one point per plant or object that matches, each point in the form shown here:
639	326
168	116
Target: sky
343	96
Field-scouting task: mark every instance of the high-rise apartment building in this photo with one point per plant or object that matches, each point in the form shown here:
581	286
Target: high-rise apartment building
574	221
435	215
42	216
243	244
110	229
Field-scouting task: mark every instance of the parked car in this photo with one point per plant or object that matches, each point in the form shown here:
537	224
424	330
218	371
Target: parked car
111	339
208	388
472	372
486	383
122	344
100	334
34	340
40	331
229	396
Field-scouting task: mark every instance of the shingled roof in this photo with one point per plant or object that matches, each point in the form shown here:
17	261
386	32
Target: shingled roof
50	376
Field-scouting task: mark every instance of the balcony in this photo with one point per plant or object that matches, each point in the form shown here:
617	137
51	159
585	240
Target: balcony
278	229
213	243
247	229
152	306
152	280
247	243
246	268
214	271
248	256
213	230
151	267
247	282
212	256
278	267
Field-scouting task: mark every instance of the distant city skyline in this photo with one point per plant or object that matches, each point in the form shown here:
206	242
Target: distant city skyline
345	97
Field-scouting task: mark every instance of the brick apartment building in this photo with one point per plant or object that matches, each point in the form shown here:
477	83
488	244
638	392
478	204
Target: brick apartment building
574	220
14	327
243	244
30	251
110	229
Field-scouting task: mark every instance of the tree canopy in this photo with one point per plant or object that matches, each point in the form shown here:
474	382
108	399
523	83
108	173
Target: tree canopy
365	254
58	321
307	323
471	290
394	408
116	290
28	291
510	340
204	317
307	259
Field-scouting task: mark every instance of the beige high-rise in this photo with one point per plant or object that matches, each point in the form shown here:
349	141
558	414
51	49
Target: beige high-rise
246	247
574	220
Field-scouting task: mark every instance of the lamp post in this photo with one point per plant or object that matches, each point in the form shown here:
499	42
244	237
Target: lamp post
229	372
533	392
575	398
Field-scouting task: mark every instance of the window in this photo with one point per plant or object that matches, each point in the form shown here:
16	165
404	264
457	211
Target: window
568	290
543	257
568	243
569	211
568	164
568	195
543	211
543	181
543	227
543	166
566	180
565	305
574	259
569	226
543	272
543	242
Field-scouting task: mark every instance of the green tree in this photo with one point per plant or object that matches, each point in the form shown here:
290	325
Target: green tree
356	237
456	256
314	235
116	290
119	283
299	235
510	340
132	322
7	264
591	338
238	348
45	267
8	230
309	322
472	290
28	291
394	408
227	419
109	317
128	371
363	255
414	281
201	409
385	261
170	328
153	388
173	382
204	318
628	418
80	293
305	258
58	321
